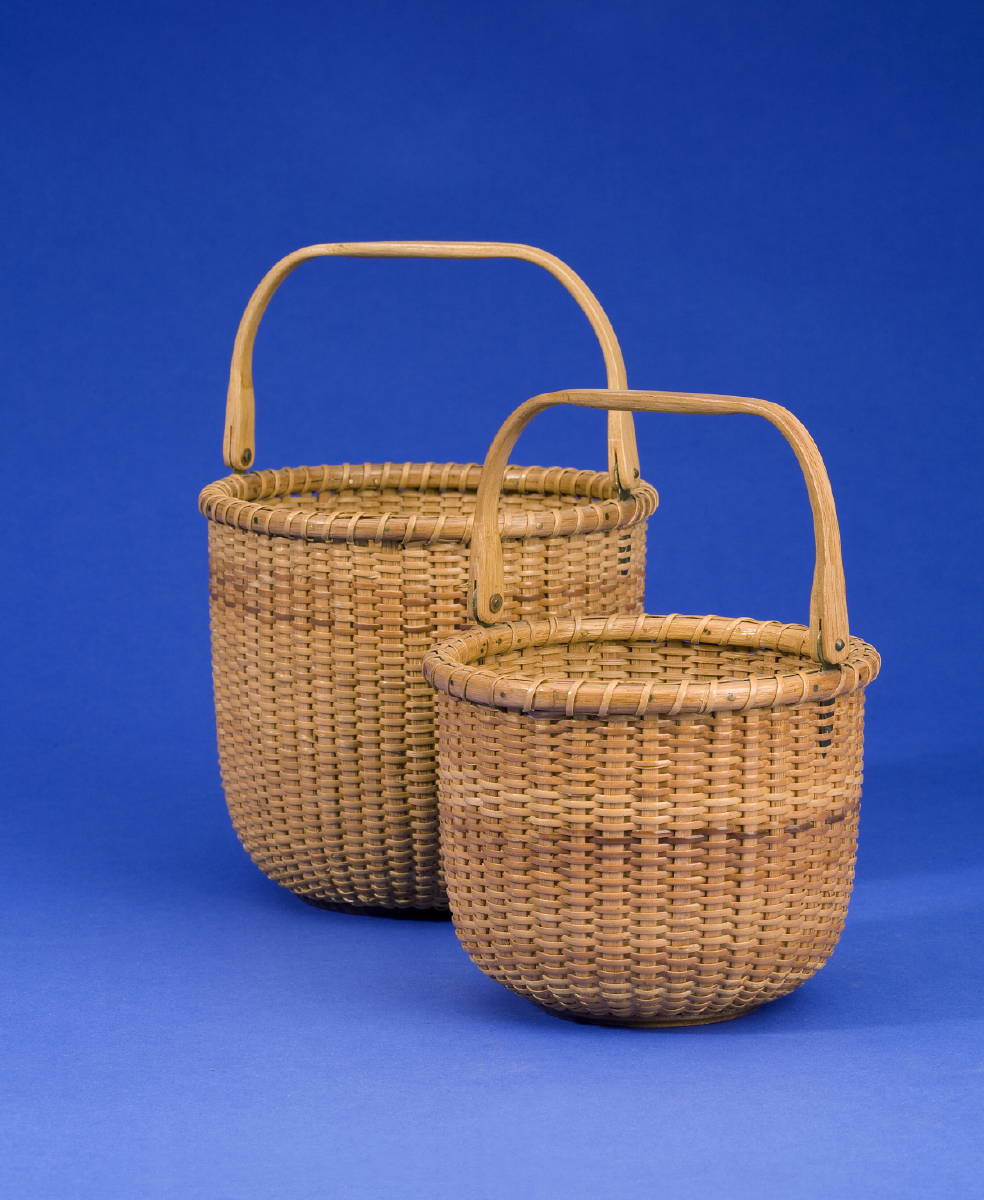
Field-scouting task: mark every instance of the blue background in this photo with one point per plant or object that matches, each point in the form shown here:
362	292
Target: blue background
774	199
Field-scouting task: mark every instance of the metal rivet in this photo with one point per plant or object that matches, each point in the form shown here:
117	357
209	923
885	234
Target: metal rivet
839	644
495	602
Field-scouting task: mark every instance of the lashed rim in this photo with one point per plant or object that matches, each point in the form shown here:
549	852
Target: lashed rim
238	500
457	668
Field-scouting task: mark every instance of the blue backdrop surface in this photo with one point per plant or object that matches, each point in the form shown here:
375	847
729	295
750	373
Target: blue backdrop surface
770	199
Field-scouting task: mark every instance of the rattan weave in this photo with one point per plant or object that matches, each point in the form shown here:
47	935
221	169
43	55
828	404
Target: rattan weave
329	583
652	819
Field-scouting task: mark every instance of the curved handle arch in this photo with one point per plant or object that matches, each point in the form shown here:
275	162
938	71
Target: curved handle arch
239	446
828	598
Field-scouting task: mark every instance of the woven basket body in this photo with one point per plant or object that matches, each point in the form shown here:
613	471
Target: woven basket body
651	820
651	868
325	724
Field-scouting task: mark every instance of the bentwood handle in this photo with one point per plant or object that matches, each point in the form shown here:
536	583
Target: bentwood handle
239	449
828	600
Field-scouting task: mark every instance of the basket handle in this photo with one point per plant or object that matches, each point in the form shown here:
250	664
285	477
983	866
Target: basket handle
239	448
828	600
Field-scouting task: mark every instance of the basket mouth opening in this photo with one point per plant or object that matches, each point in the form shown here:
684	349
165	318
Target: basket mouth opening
641	665
341	482
418	501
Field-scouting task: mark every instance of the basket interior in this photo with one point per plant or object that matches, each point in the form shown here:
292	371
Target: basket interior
413	490
643	661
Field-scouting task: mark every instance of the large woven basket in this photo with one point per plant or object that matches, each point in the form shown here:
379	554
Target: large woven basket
651	820
328	583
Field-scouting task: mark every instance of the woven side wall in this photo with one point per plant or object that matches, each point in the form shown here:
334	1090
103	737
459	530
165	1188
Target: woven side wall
650	868
325	724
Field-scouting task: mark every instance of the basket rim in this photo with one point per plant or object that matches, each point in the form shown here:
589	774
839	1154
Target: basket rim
238	500
450	667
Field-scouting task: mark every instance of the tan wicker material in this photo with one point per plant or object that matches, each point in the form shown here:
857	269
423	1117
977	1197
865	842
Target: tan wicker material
651	820
328	584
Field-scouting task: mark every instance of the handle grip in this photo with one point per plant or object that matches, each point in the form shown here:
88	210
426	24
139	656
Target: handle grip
239	448
828	599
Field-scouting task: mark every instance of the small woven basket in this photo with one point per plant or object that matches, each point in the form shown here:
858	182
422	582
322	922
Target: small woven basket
329	583
651	820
